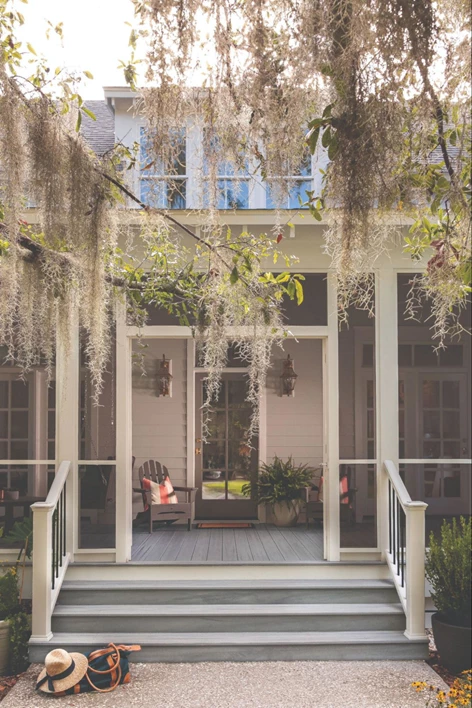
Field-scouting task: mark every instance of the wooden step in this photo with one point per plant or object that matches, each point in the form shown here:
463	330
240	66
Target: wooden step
214	592
228	618
245	646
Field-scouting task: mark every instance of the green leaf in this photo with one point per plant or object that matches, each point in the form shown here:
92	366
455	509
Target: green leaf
31	49
314	212
326	139
234	277
312	139
89	113
299	291
88	74
79	122
333	147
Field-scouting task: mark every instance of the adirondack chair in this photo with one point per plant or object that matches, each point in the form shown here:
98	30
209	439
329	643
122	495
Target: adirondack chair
167	513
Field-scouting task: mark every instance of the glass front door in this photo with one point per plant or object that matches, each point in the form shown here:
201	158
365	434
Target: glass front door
225	460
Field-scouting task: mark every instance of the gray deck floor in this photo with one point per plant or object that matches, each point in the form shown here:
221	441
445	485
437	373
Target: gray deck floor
264	543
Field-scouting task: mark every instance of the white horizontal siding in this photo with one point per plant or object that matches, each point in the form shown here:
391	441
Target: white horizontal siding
295	423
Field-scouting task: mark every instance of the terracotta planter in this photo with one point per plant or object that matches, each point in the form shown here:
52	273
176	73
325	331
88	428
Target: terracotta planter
453	643
286	513
4	647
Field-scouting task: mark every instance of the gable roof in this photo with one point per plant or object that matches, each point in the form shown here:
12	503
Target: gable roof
99	133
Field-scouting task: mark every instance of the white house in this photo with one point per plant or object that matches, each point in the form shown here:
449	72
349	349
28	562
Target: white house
375	409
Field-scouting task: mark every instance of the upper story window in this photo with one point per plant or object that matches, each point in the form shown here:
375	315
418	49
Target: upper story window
164	186
232	180
298	185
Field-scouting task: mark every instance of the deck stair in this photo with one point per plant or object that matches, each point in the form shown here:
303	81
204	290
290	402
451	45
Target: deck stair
233	620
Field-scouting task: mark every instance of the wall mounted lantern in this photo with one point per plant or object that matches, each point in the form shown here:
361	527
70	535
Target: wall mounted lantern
288	377
164	377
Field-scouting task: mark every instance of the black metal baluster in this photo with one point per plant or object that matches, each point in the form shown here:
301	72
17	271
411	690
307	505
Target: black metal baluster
53	550
402	541
56	512
61	548
64	517
398	537
389	516
394	534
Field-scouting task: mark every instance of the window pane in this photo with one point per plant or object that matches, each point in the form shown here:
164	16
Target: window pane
431	394
3	394
19	480
237	392
425	355
431	425
234	194
299	192
3	424
432	450
19	394
451	394
19	424
4	450
452	355
451	424
404	355
217	425
19	449
238	423
451	449
51	425
214	456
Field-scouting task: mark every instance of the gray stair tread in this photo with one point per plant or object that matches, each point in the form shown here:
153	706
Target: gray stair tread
229	638
227	610
224	584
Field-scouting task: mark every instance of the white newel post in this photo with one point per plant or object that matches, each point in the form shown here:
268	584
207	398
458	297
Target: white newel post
386	337
124	482
42	571
67	424
415	562
331	416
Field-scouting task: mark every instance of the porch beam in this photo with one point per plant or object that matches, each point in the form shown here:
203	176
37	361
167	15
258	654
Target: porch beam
386	371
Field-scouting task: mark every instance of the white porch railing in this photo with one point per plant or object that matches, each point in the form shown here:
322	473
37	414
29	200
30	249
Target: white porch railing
50	553
406	550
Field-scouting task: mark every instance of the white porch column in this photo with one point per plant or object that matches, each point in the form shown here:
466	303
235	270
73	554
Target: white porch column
415	562
331	427
67	422
124	482
386	361
42	572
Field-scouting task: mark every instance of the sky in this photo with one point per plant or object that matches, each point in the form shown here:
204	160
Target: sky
95	37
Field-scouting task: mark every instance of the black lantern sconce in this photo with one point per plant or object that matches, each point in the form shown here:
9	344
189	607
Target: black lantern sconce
288	377
164	377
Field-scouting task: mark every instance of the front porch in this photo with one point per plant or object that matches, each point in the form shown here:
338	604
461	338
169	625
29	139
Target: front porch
265	543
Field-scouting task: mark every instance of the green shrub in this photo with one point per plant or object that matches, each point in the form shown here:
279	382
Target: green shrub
9	596
448	568
20	632
279	482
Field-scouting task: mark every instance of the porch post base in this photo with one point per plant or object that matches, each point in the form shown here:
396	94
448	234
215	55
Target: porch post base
413	635
40	638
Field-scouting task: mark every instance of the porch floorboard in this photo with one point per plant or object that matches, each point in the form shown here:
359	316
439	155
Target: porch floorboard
264	543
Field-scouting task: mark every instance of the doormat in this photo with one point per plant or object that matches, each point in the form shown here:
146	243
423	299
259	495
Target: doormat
225	525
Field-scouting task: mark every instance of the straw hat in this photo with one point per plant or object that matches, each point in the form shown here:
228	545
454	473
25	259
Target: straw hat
63	670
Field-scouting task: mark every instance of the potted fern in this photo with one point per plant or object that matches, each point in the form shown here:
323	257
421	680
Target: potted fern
280	484
448	569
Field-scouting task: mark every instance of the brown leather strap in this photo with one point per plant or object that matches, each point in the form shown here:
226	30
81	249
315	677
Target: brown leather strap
115	657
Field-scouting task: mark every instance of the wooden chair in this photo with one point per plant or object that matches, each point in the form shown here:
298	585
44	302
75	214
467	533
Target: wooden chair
167	513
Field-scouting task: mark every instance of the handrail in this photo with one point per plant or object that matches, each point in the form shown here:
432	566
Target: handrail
405	554
57	486
398	484
51	552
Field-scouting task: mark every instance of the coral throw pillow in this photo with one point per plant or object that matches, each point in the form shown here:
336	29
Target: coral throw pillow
160	493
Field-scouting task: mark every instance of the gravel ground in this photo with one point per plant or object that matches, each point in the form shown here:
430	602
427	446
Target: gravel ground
298	684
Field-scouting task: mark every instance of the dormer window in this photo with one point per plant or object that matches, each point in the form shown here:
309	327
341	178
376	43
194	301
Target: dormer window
163	184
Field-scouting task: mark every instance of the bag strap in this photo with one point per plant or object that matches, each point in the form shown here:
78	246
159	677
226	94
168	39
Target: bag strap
115	653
